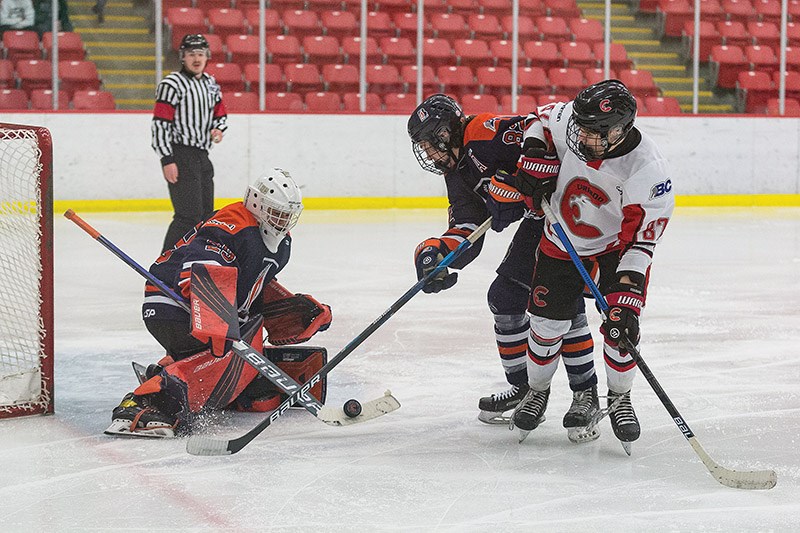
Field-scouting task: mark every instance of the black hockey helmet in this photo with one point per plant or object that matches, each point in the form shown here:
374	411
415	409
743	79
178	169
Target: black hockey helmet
436	128
606	109
193	41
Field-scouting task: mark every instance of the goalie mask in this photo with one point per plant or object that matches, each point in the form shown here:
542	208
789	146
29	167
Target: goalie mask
436	128
275	200
602	115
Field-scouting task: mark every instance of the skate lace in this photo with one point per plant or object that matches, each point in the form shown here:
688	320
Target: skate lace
582	402
507	394
533	403
623	413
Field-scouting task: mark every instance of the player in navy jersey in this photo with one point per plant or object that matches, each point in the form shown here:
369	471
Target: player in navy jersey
195	375
469	151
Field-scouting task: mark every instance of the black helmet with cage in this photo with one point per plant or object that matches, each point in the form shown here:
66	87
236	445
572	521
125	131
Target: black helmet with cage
604	112
191	42
436	128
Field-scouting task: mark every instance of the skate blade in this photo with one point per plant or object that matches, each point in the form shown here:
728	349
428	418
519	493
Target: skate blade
123	428
626	446
493	418
580	435
523	435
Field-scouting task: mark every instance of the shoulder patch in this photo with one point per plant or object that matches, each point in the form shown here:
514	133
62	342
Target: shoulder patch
232	218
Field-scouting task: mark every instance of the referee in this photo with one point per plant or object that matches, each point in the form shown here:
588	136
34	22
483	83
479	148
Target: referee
189	115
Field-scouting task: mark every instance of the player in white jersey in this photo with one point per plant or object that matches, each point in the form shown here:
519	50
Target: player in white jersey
613	195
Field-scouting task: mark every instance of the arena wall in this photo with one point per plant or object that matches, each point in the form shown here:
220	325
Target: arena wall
366	161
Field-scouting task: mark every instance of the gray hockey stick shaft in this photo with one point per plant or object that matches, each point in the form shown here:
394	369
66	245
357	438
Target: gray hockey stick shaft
752	479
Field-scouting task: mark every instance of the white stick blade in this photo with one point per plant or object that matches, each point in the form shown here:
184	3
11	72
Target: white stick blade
334	416
747	480
200	445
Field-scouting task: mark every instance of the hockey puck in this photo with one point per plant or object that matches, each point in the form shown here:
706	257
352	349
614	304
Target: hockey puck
352	408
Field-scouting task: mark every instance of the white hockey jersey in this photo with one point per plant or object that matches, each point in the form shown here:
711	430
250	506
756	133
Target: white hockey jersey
623	203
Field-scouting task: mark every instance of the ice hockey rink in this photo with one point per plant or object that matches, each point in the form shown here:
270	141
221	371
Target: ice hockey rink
720	333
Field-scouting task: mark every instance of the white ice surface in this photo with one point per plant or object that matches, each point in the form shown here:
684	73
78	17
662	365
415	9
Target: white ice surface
720	333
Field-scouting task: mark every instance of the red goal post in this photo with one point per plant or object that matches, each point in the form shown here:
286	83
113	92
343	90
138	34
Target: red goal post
26	270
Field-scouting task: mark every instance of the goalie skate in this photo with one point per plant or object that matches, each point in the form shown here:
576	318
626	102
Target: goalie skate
134	418
580	418
493	407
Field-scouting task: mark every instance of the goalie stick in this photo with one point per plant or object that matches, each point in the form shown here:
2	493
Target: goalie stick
203	445
737	479
334	417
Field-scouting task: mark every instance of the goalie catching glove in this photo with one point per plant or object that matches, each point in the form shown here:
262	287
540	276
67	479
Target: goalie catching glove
428	254
293	318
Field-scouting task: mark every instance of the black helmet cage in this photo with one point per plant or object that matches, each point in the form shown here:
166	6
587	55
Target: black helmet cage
193	41
436	131
606	108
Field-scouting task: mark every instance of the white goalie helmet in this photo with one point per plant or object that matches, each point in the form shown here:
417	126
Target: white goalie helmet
275	200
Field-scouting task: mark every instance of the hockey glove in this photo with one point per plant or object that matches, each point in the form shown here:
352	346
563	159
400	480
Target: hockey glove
537	174
504	201
427	255
621	323
295	319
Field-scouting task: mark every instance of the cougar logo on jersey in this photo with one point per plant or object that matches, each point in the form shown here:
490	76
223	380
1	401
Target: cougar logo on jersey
605	105
660	189
579	196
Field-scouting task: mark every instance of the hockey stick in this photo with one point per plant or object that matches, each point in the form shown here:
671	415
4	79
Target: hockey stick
262	364
737	479
202	445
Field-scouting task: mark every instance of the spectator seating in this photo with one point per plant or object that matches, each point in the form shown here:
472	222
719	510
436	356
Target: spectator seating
484	27
640	82
303	78
215	47
472	104
408	74
78	76
672	15
227	75
272	20
282	49
709	36
406	24
42	99
791	107
553	29
34	74
449	26
617	53
471	52
241	102
322	102
596	75
587	30
792	81
380	24
566	80
438	52
7	78
183	20
753	89
764	33
741	10
527	28
301	23
273	77
494	80
70	46
351	49
93	101
768	10
733	33
457	80
400	103
13	100
225	22
340	23
398	50
21	44
545	52
321	49
533	81
577	54
341	78
502	51
562	8
525	104
280	101
352	102
243	48
662	105
383	79
761	58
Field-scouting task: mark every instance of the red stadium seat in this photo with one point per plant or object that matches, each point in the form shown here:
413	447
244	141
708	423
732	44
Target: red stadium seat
406	25
457	80
300	23
322	49
21	44
398	50
322	102
753	89
339	23
13	100
793	33
7	79
741	10
726	63
184	20
449	26
283	102
587	30
243	49
761	58
494	80
562	8
463	7
351	49
525	104
471	52
70	46
672	14
93	100
283	5
543	54
791	107
533	81
400	103
225	22
383	79
379	24
793	58
303	77
472	104
431	6
792	82
34	74
662	105
352	102
532	8
640	82
273	77
566	80
552	99
390	6
215	47
527	29
239	102
484	27
765	34
553	29
502	51
78	76
577	54
709	36
618	55
733	33
437	52
596	75
282	48
227	75
341	78
408	73
43	99
322	5
494	7
272	20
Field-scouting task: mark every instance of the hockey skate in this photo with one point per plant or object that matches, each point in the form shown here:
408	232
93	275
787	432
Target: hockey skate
623	418
530	412
492	407
580	418
136	418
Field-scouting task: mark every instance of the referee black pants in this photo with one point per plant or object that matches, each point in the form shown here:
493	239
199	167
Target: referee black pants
192	195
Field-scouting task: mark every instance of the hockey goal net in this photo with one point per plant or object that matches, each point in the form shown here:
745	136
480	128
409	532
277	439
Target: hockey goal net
26	271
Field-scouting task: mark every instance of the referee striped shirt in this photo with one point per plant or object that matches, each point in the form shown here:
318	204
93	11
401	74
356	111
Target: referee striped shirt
187	109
